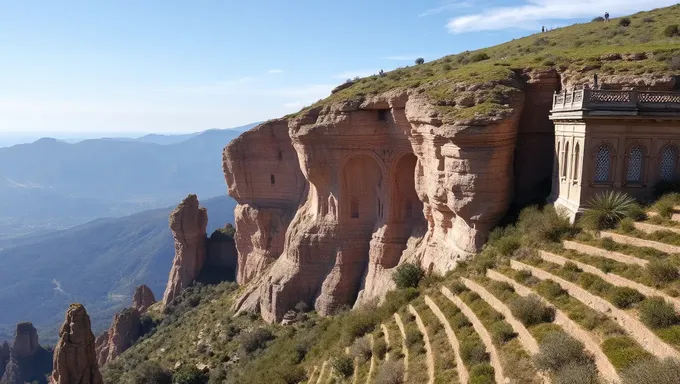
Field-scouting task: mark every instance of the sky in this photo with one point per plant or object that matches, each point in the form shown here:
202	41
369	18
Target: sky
79	67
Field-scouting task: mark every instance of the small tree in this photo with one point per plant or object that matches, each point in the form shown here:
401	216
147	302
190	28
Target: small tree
344	365
598	19
150	372
420	60
189	375
672	30
407	276
624	22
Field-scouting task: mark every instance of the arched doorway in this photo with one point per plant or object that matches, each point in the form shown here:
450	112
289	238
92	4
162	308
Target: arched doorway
362	198
406	207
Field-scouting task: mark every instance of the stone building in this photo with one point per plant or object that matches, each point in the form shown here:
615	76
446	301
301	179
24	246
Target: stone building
626	140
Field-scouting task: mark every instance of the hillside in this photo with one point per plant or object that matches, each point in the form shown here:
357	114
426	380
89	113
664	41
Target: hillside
98	263
55	185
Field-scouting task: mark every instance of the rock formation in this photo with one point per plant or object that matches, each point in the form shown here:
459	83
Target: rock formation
4	357
143	298
188	223
12	373
124	331
25	340
75	361
25	360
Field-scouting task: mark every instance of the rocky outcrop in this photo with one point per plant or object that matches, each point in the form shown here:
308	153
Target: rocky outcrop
363	187
143	298
188	223
25	360
12	373
4	357
75	361
124	331
25	340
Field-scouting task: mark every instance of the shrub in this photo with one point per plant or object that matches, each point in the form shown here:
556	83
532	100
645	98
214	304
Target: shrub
473	352
344	365
508	244
292	374
361	349
531	310
482	374
624	22
652	371
379	348
420	60
407	276
598	19
447	67
255	339
547	225
390	372
671	30
627	225
577	373
480	56
608	244
662	271
150	372
501	332
624	297
217	376
557	350
224	234
358	323
413	337
606	209
656	313
189	375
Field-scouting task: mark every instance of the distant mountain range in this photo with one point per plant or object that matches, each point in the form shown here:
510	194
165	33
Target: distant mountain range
51	184
98	264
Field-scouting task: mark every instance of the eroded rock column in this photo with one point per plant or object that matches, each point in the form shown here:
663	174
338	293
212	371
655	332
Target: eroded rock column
75	361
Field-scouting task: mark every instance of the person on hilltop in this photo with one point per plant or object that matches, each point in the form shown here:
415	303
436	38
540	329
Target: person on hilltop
606	16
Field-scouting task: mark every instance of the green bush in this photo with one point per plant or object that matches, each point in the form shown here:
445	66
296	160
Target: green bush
624	22
361	349
379	348
150	372
507	245
501	332
413	337
480	56
255	339
530	310
482	374
473	352
662	271
597	19
390	372
420	60
343	365
407	276
189	375
627	225
291	374
606	209
541	226
653	371
623	351
655	312
577	373
624	297
671	30
557	350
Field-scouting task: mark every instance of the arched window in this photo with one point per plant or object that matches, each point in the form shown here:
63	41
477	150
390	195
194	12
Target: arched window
577	154
635	158
602	163
565	159
668	159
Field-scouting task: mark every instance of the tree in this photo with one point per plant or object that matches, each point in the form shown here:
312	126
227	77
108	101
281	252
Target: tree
407	276
420	60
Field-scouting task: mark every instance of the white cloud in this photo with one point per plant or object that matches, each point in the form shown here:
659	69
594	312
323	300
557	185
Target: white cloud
531	14
353	74
274	71
447	6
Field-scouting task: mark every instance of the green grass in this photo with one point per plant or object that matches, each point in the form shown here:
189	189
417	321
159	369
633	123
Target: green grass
444	357
579	48
417	364
645	253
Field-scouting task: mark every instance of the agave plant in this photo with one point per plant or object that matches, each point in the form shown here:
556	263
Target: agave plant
606	209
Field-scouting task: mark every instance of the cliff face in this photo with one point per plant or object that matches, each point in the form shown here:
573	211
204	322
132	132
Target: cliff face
124	331
25	360
143	298
75	361
188	223
360	187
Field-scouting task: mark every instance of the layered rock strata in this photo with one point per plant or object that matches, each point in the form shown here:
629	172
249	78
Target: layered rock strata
188	223
362	187
143	298
75	361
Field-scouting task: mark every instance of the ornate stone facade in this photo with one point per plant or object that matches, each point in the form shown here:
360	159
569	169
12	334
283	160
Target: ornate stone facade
613	139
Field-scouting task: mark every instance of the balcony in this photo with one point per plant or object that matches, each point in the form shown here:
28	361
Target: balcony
592	102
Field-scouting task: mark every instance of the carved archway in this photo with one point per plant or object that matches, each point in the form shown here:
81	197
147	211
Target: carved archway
362	182
405	206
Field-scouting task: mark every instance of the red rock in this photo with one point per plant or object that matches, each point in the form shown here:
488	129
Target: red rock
143	298
123	333
75	361
25	340
188	223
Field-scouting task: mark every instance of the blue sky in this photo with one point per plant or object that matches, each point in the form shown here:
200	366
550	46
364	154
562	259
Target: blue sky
182	66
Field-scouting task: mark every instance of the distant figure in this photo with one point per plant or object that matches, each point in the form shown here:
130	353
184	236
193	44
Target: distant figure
543	29
606	16
381	73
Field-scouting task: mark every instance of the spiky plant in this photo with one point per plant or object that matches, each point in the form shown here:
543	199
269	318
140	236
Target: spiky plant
606	209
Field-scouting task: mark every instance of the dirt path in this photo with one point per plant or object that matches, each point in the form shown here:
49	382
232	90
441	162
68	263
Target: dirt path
404	348
640	242
592	345
611	278
386	332
483	334
645	337
463	375
311	376
371	368
650	228
323	370
599	252
428	347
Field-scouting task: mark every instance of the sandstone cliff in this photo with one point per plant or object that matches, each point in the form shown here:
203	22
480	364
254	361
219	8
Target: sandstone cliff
124	331
143	298
188	223
75	361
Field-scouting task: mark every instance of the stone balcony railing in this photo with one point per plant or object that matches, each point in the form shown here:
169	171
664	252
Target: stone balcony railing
633	100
